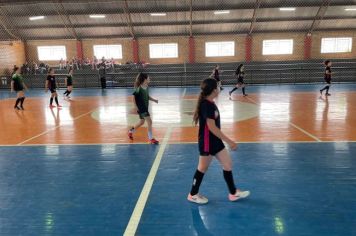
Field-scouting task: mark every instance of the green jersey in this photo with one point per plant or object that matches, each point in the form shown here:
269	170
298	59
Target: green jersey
141	99
18	82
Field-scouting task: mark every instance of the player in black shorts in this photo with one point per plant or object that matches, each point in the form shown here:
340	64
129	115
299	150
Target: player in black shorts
141	102
240	74
210	143
327	78
69	83
216	75
51	85
18	86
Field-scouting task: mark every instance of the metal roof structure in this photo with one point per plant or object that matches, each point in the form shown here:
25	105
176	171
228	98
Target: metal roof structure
65	19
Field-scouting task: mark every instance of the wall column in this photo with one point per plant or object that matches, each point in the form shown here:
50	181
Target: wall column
248	48
307	46
136	57
80	50
191	50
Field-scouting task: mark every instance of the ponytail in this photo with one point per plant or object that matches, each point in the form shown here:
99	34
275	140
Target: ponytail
207	87
141	77
197	108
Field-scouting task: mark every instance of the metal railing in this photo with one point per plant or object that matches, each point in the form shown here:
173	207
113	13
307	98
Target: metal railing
192	75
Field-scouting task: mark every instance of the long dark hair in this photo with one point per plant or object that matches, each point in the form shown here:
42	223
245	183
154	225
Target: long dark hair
49	70
15	69
141	77
207	87
326	62
238	70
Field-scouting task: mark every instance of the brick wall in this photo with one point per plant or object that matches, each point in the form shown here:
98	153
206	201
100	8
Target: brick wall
32	55
183	48
200	48
316	45
11	54
298	47
88	48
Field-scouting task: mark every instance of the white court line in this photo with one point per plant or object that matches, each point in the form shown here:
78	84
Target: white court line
103	144
305	132
47	131
294	125
184	91
141	202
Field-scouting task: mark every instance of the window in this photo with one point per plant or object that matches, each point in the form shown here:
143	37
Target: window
167	50
220	49
336	45
277	47
108	51
51	53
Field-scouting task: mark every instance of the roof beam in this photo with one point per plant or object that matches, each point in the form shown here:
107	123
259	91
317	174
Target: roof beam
175	23
319	16
254	16
244	6
191	19
65	17
4	23
126	36
128	18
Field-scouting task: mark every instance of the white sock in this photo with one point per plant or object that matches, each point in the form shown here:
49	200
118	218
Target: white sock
150	135
132	130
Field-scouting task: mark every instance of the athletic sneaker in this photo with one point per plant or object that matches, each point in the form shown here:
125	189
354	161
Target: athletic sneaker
17	108
154	141
130	134
238	195
245	95
51	106
22	108
321	92
328	94
59	106
197	198
230	93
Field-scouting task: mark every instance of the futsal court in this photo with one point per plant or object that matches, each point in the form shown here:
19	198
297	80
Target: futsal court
74	171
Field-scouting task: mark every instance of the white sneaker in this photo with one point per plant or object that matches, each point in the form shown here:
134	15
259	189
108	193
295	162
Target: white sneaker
238	195
197	198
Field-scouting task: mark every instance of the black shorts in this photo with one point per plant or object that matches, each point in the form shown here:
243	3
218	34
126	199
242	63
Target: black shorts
328	81
143	114
240	81
217	79
69	84
53	90
214	148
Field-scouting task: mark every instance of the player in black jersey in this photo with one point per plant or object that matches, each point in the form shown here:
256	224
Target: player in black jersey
18	86
51	85
240	75
69	83
210	143
327	78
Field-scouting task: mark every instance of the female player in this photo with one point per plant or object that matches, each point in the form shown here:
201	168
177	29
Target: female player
18	86
240	74
69	83
52	86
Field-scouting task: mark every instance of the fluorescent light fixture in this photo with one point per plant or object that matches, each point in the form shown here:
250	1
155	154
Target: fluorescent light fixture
287	9
97	16
221	12
158	14
36	17
350	9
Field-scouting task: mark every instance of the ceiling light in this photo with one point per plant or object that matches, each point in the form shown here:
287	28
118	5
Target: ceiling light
350	9
97	16
36	17
287	9
158	14
221	12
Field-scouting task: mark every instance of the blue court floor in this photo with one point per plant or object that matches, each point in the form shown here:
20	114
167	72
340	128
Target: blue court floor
302	180
296	189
